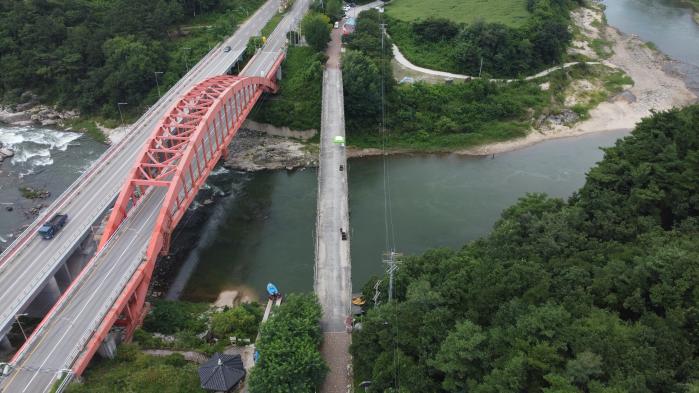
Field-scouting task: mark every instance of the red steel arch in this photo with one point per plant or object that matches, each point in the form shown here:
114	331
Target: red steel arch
185	146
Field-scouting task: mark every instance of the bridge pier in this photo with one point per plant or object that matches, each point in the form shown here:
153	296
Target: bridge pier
5	345
108	348
63	278
45	300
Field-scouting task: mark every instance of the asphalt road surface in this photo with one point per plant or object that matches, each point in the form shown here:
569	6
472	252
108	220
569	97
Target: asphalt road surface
27	265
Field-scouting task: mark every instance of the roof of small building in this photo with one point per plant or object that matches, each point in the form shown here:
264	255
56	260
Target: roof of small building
222	372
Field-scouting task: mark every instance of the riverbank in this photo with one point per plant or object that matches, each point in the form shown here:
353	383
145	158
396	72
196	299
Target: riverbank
654	89
657	86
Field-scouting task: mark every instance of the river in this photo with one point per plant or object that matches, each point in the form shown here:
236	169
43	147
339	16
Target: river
45	159
263	230
437	201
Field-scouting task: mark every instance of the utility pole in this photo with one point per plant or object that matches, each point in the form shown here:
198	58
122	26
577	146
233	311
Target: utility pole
156	82
119	104
391	258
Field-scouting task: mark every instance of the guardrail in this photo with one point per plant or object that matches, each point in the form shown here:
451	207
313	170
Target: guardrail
68	246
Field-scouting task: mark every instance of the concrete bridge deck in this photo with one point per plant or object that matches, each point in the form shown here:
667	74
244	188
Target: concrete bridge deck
333	269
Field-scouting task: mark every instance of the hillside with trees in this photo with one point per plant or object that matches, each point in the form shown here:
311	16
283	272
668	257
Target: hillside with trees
502	50
594	294
91	54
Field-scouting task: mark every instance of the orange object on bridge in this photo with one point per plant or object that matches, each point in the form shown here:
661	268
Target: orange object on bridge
185	146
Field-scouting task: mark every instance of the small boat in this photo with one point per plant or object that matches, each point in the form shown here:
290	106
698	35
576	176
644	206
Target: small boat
272	289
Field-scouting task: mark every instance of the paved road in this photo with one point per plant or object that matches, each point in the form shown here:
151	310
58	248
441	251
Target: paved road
332	266
333	269
57	344
276	42
30	261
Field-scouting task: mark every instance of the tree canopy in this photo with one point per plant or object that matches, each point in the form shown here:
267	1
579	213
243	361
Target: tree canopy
289	343
316	28
90	54
594	294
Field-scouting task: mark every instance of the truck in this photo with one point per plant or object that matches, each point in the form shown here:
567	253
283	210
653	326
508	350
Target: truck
52	226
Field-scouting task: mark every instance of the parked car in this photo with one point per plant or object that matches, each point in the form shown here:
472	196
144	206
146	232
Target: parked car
337	25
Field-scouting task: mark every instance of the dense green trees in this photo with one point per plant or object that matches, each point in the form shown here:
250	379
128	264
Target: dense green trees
289	345
92	54
241	322
361	80
597	294
421	112
316	28
504	51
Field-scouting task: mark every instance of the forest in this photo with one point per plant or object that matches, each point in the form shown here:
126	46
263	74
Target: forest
595	294
92	54
484	47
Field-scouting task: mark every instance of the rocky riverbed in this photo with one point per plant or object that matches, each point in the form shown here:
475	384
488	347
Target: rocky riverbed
32	113
253	151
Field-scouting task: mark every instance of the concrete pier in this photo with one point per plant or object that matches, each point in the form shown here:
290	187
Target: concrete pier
45	299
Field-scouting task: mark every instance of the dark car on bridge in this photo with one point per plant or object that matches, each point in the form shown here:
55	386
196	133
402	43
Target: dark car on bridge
52	226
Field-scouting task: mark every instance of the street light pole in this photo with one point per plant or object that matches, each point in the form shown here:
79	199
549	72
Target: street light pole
20	325
156	81
119	104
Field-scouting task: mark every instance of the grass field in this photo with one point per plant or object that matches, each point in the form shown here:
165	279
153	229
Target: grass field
509	12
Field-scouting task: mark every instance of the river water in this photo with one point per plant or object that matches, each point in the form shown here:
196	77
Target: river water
437	201
44	159
265	233
263	230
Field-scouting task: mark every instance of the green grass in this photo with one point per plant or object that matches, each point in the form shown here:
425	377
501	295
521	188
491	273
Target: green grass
601	47
272	24
133	371
89	127
509	12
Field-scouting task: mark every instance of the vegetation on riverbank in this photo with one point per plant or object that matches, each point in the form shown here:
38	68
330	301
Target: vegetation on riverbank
289	347
298	103
596	294
91	55
134	371
196	326
447	44
460	114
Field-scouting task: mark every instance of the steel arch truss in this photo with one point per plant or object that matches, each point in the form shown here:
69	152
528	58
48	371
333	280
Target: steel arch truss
185	146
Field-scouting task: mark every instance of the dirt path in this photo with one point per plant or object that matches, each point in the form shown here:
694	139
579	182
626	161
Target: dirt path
398	56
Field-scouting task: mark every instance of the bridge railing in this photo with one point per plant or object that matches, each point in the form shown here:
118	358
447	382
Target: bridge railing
99	165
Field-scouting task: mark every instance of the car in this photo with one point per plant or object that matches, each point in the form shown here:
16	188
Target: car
53	226
346	8
337	25
227	49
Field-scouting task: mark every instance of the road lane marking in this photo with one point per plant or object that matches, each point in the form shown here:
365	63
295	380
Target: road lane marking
94	293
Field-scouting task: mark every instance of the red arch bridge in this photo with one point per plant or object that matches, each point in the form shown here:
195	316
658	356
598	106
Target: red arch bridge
176	160
185	146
